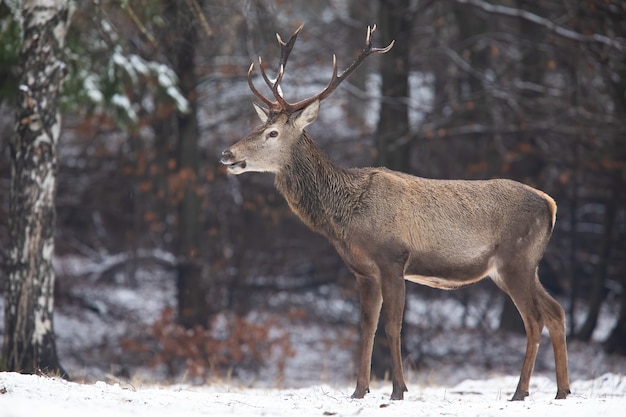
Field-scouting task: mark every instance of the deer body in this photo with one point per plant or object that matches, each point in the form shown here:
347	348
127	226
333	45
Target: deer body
475	222
389	227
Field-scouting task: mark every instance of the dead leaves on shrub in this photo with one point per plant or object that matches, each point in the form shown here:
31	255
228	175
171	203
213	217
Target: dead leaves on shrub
227	343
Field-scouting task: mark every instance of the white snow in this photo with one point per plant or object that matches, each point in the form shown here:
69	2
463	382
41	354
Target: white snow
90	83
168	81
459	365
30	395
123	102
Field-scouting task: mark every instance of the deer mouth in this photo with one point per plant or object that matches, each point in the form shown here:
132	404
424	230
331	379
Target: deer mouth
234	166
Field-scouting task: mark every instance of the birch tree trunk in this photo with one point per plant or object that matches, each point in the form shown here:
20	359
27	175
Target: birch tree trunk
29	343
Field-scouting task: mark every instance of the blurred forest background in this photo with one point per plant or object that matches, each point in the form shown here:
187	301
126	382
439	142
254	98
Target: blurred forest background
533	90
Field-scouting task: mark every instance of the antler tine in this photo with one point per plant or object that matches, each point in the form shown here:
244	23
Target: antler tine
286	47
255	91
368	42
370	30
338	79
274	86
271	84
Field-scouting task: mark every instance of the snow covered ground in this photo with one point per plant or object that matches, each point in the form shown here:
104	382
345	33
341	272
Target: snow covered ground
467	368
30	395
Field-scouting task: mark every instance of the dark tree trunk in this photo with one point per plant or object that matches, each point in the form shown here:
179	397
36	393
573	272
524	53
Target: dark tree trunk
598	283
616	342
393	134
470	90
510	319
193	308
29	342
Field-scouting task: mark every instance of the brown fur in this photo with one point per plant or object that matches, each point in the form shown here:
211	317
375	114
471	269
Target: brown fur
389	227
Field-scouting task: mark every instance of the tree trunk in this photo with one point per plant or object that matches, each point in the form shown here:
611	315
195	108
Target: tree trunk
393	132
193	308
29	342
616	342
599	280
470	88
510	319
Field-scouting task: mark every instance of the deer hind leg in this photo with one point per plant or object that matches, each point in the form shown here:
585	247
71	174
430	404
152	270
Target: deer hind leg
533	325
521	287
371	299
554	317
394	289
536	306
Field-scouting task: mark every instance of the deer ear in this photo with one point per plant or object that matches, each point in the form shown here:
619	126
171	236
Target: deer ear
261	112
307	116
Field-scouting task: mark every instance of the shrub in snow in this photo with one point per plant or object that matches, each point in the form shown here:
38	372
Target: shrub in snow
229	342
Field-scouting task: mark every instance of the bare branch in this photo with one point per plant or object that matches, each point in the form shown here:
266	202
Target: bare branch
561	31
133	16
195	6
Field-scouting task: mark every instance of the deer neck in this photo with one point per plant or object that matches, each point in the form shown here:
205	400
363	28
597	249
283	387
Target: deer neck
316	189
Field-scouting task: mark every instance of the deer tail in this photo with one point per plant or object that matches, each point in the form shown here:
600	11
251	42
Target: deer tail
551	206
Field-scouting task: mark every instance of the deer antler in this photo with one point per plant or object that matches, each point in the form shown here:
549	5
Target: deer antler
285	50
281	105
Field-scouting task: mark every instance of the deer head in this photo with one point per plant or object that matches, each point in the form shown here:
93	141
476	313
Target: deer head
267	148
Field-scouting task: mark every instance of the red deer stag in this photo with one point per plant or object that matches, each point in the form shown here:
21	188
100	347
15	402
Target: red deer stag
389	227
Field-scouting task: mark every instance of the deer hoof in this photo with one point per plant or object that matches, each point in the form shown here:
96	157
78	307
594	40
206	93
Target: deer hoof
397	395
398	392
562	394
519	395
360	393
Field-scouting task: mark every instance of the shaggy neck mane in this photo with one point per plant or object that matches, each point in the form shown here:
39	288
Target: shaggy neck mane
314	187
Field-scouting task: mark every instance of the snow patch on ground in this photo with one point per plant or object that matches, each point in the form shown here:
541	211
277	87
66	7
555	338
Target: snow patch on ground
29	395
457	363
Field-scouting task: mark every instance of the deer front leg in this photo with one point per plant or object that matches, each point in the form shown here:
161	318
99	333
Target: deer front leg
394	288
371	298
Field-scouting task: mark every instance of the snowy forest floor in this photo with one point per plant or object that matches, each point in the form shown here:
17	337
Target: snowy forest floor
30	395
457	362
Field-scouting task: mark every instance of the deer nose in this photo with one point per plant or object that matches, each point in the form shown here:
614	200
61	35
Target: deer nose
226	156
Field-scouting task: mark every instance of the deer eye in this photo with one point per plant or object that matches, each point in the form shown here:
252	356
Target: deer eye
272	134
